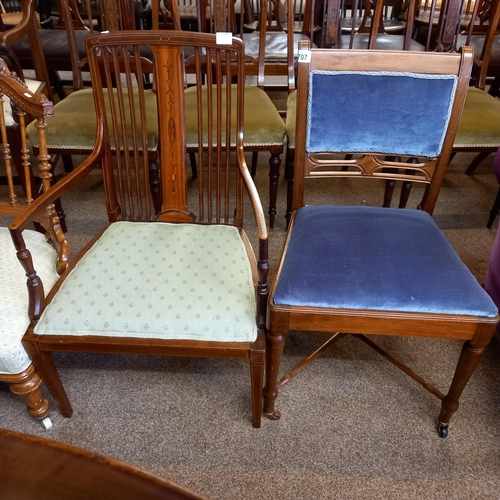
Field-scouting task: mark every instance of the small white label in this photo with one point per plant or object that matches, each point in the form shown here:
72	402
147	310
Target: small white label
304	56
223	38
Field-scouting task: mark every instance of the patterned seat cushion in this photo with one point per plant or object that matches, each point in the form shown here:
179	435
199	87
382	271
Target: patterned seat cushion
158	280
14	318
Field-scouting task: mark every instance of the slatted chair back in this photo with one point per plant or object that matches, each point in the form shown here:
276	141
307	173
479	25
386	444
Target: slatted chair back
18	106
138	189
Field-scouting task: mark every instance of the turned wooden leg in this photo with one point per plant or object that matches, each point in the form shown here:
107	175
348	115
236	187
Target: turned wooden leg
27	384
274	350
194	166
155	185
289	175
255	159
476	161
469	359
274	175
45	366
257	361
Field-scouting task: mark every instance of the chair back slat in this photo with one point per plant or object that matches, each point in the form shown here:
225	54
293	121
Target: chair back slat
17	102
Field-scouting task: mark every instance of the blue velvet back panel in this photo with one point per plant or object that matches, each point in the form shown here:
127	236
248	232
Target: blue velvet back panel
380	259
378	112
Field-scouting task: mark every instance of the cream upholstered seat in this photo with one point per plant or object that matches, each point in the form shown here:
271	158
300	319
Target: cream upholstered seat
106	293
14	319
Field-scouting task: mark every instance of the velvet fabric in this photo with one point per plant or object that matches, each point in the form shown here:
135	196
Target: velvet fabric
378	259
353	112
73	125
262	123
480	122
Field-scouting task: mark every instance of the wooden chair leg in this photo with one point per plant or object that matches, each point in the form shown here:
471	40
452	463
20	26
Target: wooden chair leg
27	384
469	359
255	159
257	362
274	175
274	350
495	210
155	185
476	161
289	175
194	166
45	366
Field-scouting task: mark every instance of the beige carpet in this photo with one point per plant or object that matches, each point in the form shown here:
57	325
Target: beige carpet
353	427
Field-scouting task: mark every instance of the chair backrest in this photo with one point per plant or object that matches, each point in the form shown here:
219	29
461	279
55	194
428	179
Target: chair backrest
136	126
408	143
28	26
18	107
59	470
372	17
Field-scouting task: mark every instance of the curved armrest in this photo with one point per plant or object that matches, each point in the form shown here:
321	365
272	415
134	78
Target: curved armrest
263	254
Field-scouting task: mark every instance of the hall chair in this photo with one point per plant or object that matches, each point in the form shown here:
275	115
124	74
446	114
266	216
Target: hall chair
373	270
173	273
16	367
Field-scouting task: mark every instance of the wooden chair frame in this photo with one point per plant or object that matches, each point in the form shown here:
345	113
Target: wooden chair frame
173	208
475	331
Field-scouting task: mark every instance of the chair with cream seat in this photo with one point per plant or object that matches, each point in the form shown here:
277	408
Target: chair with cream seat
16	367
372	270
173	273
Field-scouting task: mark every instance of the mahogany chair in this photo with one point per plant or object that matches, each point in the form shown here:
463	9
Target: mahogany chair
173	273
330	276
16	367
59	470
378	26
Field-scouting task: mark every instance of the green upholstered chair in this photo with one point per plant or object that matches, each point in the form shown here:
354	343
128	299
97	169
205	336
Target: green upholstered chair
366	270
16	367
173	273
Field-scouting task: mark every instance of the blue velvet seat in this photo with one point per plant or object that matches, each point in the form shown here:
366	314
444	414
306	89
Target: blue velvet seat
368	270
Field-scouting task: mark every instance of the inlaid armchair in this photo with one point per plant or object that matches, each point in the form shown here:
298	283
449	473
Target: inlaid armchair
173	273
16	367
365	270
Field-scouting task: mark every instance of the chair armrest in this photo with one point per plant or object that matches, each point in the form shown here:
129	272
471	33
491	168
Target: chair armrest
263	254
42	210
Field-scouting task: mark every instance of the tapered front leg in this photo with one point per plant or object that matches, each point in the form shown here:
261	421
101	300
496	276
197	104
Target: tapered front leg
469	358
274	350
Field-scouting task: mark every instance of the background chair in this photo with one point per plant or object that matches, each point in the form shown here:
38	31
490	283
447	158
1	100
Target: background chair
373	270
59	470
16	367
264	128
181	281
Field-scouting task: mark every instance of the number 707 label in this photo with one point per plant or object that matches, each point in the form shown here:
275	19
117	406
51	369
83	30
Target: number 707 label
304	56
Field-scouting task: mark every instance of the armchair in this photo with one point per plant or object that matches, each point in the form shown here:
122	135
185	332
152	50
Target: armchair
173	273
16	367
371	270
